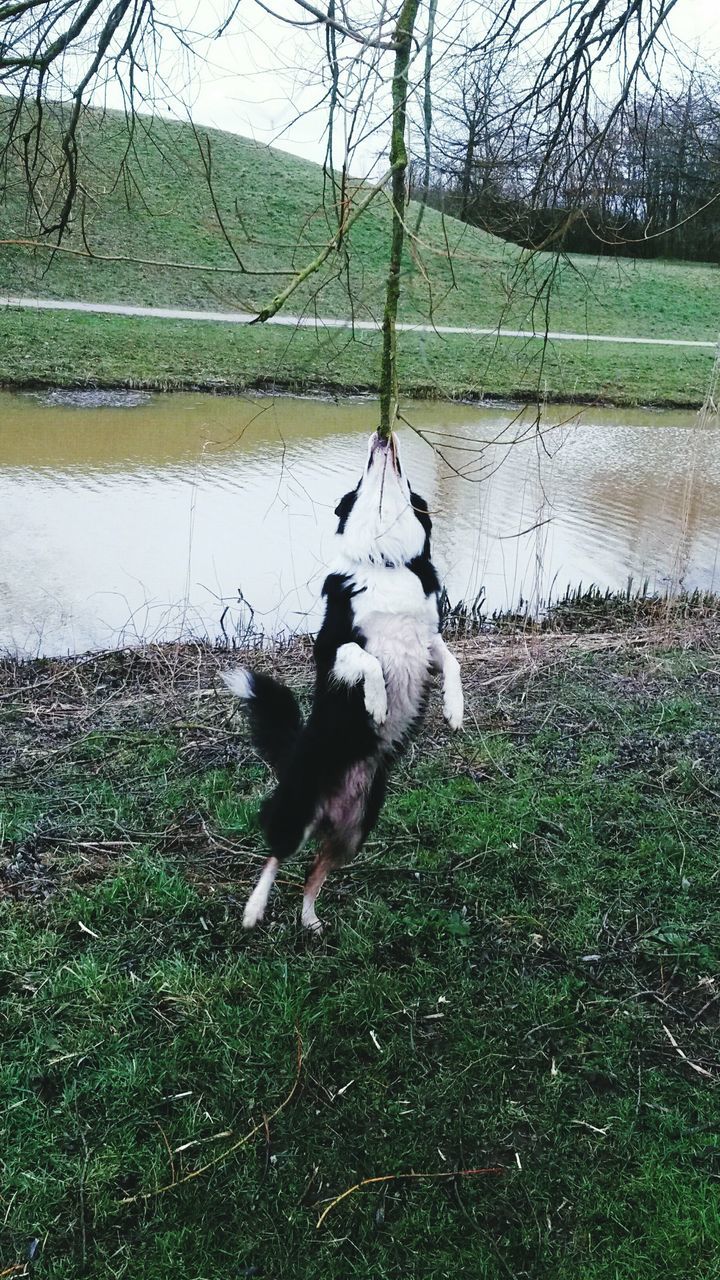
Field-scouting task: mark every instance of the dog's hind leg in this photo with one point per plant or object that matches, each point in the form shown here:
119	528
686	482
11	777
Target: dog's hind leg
352	813
316	878
258	900
287	819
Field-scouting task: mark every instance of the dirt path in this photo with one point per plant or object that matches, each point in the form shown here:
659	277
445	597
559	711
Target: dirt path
329	322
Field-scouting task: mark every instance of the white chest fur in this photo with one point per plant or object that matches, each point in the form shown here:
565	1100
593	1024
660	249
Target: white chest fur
398	621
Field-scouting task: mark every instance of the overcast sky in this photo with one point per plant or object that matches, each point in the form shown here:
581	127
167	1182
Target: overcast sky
260	76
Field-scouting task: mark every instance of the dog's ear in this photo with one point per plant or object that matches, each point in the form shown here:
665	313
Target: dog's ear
422	513
344	507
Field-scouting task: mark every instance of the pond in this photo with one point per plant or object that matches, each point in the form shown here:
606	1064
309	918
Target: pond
158	516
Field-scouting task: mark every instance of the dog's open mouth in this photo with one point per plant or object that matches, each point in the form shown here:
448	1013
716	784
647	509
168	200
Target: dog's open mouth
385	451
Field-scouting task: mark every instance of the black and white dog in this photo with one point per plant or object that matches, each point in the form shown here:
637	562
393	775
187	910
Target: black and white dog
375	652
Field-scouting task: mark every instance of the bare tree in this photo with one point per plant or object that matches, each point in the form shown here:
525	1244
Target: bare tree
652	187
378	64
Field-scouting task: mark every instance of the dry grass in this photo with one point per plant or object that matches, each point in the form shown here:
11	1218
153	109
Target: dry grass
520	971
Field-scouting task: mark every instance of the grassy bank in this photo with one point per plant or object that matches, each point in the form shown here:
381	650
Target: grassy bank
520	971
274	208
76	350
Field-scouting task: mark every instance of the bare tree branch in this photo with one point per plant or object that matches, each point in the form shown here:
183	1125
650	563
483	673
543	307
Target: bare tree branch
309	270
326	19
47	247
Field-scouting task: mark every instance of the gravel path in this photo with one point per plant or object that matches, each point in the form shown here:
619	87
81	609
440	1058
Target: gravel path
328	322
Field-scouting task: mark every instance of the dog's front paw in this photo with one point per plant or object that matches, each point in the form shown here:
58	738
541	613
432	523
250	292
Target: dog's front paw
376	698
453	709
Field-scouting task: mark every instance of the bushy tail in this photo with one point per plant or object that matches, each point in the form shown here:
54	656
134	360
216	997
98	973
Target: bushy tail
275	719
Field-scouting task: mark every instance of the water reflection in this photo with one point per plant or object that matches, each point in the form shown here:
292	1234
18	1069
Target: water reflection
124	523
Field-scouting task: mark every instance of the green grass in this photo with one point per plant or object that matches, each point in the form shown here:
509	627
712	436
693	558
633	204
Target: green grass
274	207
452	1017
90	350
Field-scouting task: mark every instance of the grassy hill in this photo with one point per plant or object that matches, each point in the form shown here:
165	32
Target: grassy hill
149	199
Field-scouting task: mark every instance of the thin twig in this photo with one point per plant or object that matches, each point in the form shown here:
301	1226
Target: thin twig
261	1127
142	262
402	1177
279	301
700	1070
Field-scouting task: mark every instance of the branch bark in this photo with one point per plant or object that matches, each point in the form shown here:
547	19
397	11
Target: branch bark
398	163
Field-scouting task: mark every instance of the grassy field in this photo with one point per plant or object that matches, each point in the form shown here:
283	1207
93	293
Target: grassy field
277	214
521	972
40	348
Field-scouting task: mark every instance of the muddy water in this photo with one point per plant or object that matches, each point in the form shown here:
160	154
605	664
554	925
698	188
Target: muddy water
192	514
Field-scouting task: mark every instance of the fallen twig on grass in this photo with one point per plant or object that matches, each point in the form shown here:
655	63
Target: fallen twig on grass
402	1177
700	1070
261	1127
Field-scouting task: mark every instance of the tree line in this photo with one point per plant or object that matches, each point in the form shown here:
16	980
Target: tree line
643	181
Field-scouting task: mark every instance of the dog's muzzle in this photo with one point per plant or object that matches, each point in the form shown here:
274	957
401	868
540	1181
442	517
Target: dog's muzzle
382	450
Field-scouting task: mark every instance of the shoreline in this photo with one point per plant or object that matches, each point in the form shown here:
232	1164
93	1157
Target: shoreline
621	625
329	390
85	350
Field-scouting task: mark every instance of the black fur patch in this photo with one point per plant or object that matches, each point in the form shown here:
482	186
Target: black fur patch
425	570
338	734
345	506
275	719
339	622
420	507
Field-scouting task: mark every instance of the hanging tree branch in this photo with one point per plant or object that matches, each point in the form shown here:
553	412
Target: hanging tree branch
398	162
427	111
322	257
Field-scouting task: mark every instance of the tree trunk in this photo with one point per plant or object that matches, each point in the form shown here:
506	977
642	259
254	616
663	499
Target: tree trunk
398	162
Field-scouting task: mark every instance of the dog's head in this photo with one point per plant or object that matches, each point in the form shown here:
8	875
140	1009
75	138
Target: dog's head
382	521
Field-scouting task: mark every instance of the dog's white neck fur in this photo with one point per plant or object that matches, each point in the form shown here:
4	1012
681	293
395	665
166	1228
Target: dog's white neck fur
382	527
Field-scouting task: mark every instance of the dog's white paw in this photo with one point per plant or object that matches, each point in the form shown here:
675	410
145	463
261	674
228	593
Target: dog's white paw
311	922
453	709
376	698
